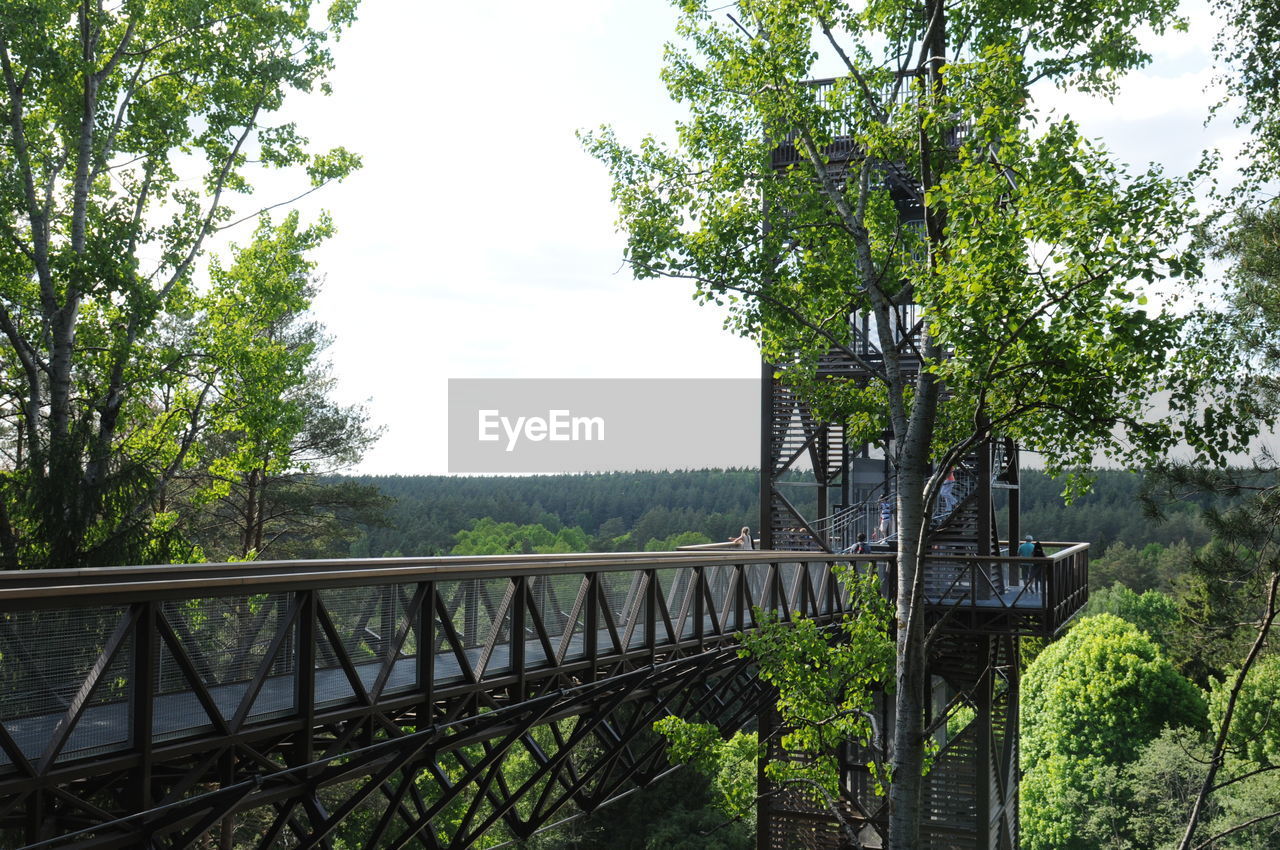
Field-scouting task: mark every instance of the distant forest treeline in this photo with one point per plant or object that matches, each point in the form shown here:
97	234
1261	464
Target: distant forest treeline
429	510
1111	513
627	510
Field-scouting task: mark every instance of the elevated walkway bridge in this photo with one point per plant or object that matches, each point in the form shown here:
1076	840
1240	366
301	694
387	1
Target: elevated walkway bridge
411	702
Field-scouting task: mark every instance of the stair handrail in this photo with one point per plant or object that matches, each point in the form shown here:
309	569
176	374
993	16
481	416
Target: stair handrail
840	527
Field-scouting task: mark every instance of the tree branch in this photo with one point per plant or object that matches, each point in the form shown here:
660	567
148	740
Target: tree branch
205	229
37	218
1224	728
1205	844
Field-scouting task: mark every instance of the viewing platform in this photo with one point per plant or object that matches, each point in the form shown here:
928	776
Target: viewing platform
1009	594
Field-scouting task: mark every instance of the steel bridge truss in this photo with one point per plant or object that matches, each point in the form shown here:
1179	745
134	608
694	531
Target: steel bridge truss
413	702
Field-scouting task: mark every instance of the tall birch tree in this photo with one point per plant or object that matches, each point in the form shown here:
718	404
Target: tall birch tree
127	127
1034	269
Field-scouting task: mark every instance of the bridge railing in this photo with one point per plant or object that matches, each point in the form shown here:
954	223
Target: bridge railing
102	662
131	660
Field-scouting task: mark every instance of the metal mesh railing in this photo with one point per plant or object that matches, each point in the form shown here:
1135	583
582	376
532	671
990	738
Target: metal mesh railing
223	642
219	649
48	662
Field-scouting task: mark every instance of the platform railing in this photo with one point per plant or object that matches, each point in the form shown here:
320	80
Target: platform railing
1026	595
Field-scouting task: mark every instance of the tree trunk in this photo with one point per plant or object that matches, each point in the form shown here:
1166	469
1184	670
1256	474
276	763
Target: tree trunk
250	514
907	757
913	453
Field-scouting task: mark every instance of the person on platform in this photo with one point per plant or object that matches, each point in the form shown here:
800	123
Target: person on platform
886	518
947	495
743	540
861	547
1031	548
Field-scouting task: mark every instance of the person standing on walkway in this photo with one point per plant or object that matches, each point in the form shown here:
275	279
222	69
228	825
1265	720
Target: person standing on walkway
947	494
1034	572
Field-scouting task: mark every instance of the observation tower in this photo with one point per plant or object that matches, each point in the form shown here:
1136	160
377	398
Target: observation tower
818	492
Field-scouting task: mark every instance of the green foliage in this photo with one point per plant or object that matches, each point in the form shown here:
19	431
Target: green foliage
129	126
1241	810
270	429
1029	254
1214	625
354	831
1144	804
487	537
1110	513
1152	567
730	764
429	510
821	250
1254	737
1220	597
1248	50
961	715
1252	243
1222	612
675	541
1083	691
826	681
1090	702
247	329
1153	612
681	812
684	828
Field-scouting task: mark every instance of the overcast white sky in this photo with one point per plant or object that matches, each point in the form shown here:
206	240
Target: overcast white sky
478	240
